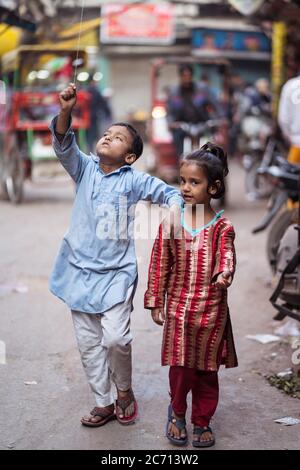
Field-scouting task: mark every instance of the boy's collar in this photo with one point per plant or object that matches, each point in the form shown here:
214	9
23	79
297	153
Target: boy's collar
96	159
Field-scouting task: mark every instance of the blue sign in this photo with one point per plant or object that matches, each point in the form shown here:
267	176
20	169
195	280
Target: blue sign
230	43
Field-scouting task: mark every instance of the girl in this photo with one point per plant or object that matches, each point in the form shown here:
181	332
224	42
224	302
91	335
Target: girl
194	272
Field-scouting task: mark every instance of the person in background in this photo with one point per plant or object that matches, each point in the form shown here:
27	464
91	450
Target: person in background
236	90
288	115
255	100
189	102
99	111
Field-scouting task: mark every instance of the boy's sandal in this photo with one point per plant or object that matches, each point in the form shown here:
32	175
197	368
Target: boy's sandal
180	423
123	404
199	431
106	413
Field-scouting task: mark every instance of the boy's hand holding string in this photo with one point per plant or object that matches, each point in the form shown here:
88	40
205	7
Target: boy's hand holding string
67	99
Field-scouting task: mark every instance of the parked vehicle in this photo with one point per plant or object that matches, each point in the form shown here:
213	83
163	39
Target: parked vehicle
255	132
286	296
284	177
33	76
283	243
199	134
256	183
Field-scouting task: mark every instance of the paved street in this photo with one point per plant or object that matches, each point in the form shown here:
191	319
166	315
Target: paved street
40	345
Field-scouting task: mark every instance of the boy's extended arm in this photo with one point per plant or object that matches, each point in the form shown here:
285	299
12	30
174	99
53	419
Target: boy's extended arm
149	188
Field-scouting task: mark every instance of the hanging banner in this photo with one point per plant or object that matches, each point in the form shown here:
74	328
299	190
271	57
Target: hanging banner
278	52
149	23
246	7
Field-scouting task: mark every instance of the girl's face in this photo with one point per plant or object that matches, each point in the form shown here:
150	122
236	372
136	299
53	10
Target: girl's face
194	184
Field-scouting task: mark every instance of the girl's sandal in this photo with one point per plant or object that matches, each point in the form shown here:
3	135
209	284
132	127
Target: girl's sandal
180	423
199	431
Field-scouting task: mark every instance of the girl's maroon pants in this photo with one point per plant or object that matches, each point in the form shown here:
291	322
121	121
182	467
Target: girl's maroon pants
204	386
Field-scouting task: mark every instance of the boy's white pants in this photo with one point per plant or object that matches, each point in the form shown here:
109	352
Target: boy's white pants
104	345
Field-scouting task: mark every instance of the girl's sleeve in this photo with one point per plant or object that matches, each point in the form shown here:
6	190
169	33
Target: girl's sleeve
160	266
225	254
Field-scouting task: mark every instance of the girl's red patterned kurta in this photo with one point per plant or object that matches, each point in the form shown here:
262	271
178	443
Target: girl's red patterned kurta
197	329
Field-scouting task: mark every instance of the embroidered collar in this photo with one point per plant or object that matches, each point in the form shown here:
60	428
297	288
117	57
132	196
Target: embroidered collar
195	231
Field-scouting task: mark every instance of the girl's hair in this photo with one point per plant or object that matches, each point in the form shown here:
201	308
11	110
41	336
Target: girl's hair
213	160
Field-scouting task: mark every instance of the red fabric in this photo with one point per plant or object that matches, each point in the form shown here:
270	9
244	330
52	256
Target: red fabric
205	393
197	331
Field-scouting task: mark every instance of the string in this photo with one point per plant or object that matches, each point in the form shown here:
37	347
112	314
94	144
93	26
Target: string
78	42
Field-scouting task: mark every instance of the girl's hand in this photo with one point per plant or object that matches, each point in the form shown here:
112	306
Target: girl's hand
224	280
67	98
158	315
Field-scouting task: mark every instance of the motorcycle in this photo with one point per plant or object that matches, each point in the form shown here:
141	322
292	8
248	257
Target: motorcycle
286	296
196	135
256	128
284	238
284	177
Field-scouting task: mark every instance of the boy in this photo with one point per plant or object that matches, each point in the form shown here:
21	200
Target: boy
96	274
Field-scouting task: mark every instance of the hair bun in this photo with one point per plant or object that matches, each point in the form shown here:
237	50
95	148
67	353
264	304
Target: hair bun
219	153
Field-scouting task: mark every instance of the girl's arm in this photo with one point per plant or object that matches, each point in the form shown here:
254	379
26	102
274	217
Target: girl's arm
160	266
225	259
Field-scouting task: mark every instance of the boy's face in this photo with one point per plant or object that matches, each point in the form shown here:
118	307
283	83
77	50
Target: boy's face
115	146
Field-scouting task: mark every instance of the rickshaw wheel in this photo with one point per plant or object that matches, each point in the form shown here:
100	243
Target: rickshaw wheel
3	192
14	174
4	195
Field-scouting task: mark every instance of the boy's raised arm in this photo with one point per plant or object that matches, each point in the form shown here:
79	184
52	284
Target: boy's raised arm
64	142
67	99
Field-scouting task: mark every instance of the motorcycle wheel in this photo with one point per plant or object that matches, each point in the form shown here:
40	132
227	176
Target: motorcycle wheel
281	222
257	187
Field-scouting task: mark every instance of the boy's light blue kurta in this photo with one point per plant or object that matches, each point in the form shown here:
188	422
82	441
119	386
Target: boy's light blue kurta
92	272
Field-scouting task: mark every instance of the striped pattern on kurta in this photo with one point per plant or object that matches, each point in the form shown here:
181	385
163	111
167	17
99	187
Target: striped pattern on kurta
197	330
